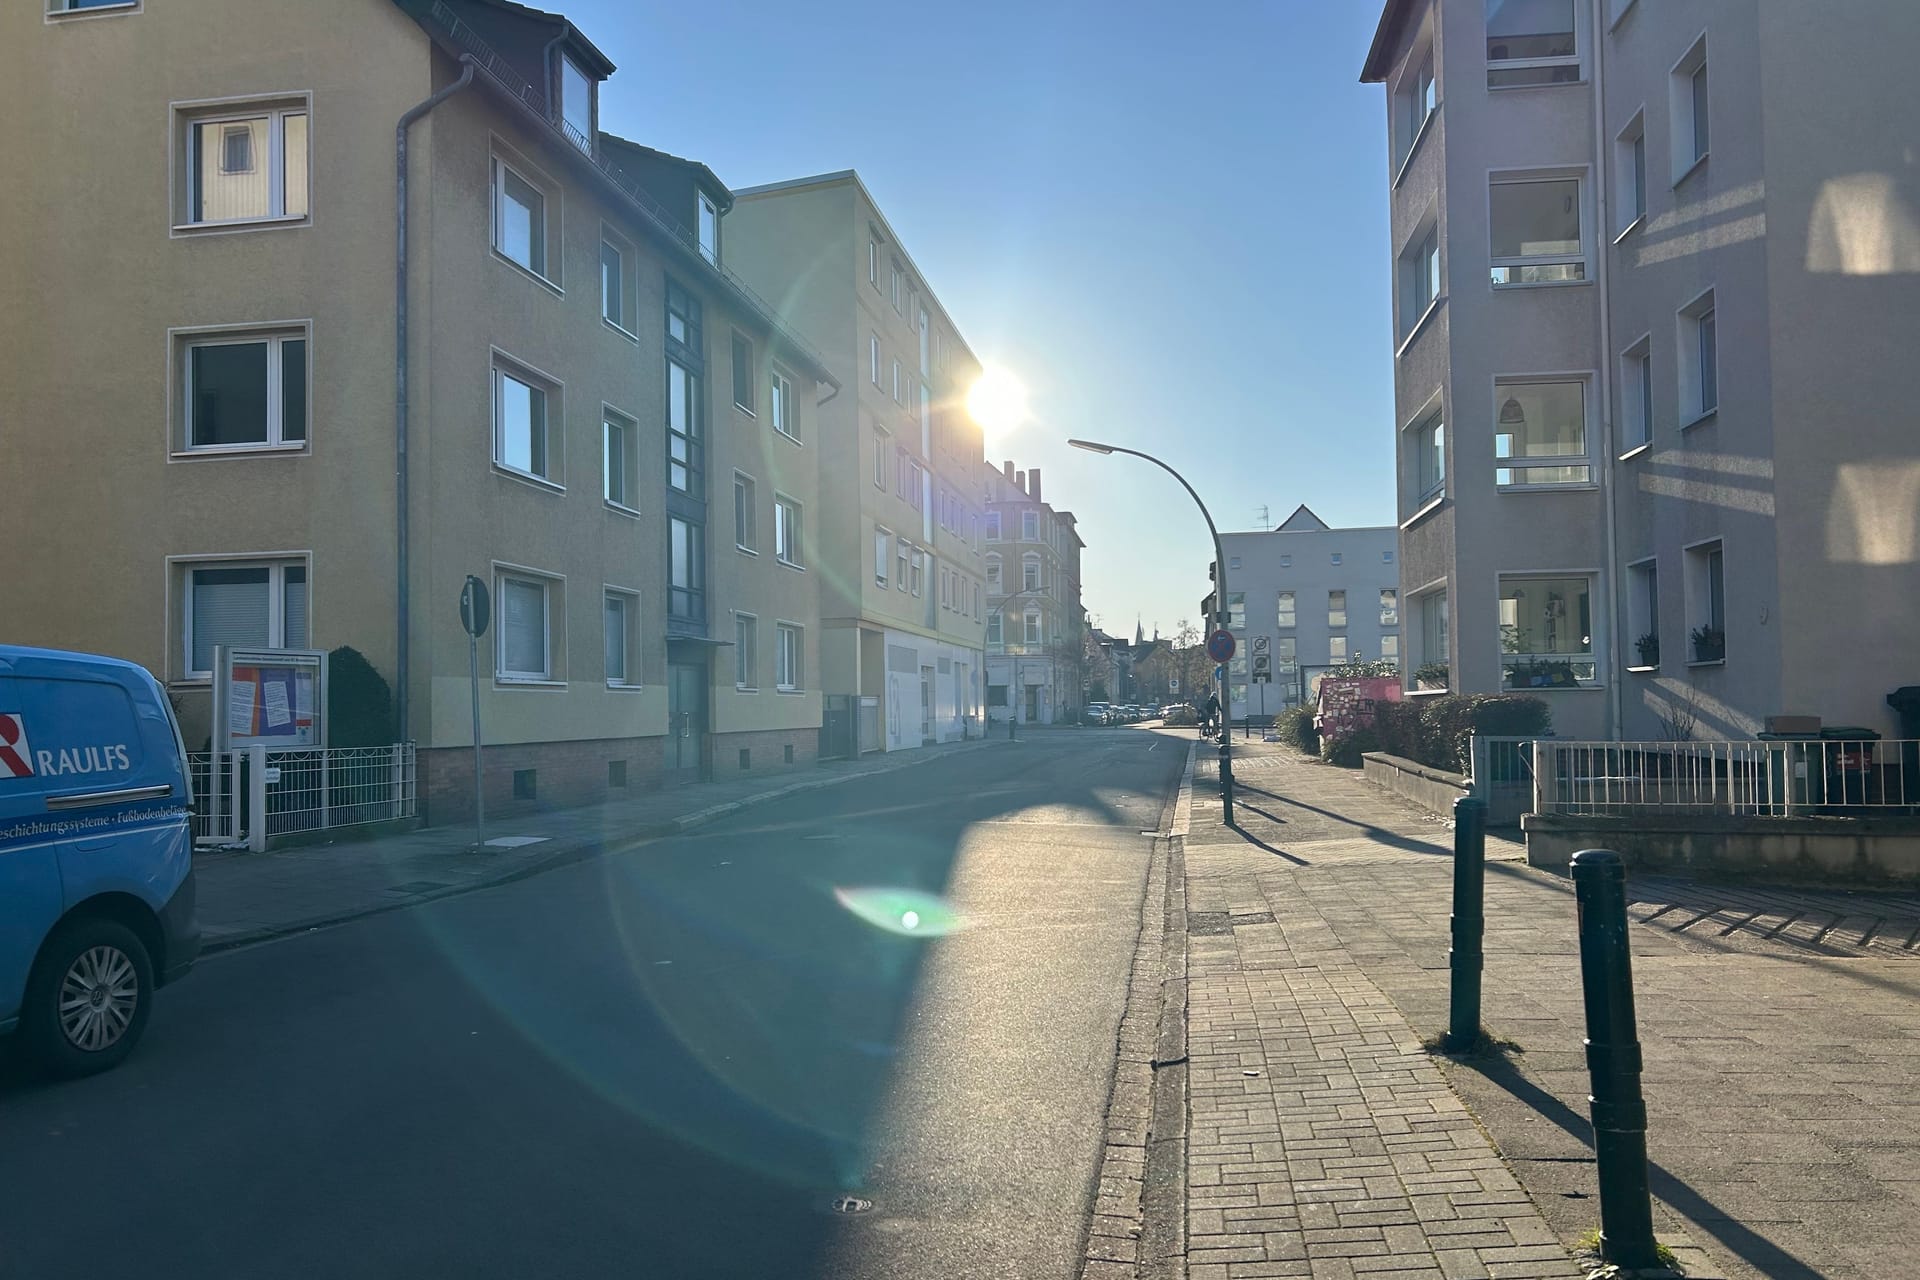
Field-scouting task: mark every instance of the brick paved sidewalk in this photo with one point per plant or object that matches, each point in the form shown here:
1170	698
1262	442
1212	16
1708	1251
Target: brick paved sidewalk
1783	1074
245	897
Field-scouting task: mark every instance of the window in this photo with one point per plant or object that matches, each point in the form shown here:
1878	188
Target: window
620	461
1699	360
1386	557
57	8
1390	648
899	289
1432	640
918	570
1030	573
926	350
1546	632
261	604
686	569
1419	278
993	526
244	164
1233	562
1389	607
684	434
993	629
873	262
622	638
1687	108
1336	649
880	458
576	104
1531	42
1336	608
742	372
1236	611
1286	658
882	551
780	403
1630	174
1029	526
1535	231
525	651
746	663
709	229
1429	443
902	551
993	574
746	531
1636	394
1283	610
242	391
786	531
1033	634
1414	103
1286	562
873	357
613	289
789	672
1643	613
1334	559
1706	586
896	380
519	219
520	423
1540	437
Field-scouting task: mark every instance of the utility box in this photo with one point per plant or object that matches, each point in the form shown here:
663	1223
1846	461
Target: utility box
1792	727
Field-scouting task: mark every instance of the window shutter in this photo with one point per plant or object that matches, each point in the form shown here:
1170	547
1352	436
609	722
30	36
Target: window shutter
230	607
523	627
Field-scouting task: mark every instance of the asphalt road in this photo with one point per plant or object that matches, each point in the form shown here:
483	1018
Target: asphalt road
668	1062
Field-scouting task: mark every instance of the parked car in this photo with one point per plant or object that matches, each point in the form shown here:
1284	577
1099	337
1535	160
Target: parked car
98	910
1095	713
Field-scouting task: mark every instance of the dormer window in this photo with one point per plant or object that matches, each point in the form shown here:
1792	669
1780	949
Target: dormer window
709	229
576	104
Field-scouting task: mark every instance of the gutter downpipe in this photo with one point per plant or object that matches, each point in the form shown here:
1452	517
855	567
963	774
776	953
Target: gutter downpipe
1602	242
403	568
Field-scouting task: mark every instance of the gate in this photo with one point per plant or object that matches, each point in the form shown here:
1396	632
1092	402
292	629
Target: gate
1502	770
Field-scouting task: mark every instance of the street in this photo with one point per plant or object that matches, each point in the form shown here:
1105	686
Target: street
666	1062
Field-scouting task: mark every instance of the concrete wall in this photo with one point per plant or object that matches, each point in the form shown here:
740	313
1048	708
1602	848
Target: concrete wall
1431	789
1854	850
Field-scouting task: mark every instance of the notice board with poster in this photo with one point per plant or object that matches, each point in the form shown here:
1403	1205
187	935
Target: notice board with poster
269	698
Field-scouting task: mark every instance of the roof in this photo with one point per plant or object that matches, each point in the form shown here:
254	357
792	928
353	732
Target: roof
603	64
1302	519
709	178
1386	38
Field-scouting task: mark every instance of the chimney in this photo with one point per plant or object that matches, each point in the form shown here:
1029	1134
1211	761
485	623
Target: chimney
1033	483
1020	481
1007	468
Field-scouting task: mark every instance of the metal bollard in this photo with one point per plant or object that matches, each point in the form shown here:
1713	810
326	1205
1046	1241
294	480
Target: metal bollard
1226	776
1466	959
1013	723
1613	1061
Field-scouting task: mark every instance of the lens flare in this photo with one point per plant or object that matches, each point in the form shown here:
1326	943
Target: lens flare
907	912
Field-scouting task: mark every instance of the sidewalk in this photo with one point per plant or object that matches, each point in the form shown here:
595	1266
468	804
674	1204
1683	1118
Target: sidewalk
1782	1078
246	897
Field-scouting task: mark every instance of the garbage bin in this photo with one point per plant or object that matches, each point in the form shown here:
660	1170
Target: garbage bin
1850	758
1906	702
1789	788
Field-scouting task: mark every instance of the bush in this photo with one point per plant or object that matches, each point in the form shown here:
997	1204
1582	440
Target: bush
1397	724
1296	726
1447	724
1346	752
359	702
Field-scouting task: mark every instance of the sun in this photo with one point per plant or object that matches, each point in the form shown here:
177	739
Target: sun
997	401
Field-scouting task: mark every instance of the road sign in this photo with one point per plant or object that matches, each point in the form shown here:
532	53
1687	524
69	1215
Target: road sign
1220	646
1219	673
475	612
1173	684
1262	665
1261	644
476	609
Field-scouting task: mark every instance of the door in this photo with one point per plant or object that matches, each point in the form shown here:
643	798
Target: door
686	720
1033	704
926	705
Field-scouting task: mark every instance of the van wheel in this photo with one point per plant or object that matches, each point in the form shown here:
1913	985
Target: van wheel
88	998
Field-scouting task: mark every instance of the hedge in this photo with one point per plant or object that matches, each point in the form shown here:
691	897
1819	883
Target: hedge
1436	732
1296	726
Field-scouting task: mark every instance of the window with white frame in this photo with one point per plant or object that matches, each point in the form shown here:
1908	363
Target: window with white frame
1286	562
686	429
1336	608
1286	657
742	362
1699	359
786	531
1419	277
1636	394
1687	109
1334	558
96	8
899	289
1643	613
746	530
786	416
882	553
1428	441
709	232
1432	638
896	380
1033	633
873	358
241	389
1706	586
1535	230
926	344
619	460
1336	650
527	607
576	104
1237	611
1389	607
1546	632
993	629
242	163
1630	174
1030	526
1540	435
902	561
520	219
1284	610
993	526
1414	104
1531	42
1390	648
622	638
613	286
520	421
882	446
1030	573
993	574
746	661
790	666
251	603
917	573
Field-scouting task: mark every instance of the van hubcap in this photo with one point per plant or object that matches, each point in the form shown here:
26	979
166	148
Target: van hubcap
98	997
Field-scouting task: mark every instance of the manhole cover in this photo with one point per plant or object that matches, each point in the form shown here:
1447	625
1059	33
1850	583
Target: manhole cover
850	1206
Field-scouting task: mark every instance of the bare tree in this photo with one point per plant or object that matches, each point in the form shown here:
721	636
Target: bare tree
1680	716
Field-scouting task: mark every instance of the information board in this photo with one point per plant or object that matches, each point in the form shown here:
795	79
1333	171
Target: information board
269	697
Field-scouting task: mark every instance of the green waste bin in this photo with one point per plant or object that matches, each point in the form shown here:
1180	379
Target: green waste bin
1850	764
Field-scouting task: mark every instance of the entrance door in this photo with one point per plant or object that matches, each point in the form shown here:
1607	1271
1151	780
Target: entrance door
1033	704
686	720
926	705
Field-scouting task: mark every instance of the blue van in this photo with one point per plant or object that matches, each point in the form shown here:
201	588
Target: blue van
96	854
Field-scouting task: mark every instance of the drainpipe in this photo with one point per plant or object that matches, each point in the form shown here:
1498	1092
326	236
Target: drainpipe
402	647
1602	242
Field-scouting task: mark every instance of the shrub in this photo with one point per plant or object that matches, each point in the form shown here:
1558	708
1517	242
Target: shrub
1347	752
1397	724
359	701
1448	724
1296	726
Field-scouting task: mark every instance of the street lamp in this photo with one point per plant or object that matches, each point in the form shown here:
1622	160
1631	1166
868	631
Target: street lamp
1220	610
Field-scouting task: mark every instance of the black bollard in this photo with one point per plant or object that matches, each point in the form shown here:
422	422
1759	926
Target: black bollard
1013	723
1469	922
1226	776
1613	1061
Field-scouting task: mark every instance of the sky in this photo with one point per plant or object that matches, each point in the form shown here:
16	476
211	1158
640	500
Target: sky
1169	221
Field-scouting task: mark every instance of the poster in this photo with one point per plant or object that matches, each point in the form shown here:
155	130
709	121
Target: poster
272	698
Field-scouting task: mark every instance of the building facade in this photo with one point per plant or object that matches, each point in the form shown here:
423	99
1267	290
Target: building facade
272	459
903	615
1036	633
1656	449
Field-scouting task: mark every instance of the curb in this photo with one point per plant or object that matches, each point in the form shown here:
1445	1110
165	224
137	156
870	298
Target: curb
569	854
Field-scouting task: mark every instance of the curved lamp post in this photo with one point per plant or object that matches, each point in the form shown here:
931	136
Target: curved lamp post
1220	610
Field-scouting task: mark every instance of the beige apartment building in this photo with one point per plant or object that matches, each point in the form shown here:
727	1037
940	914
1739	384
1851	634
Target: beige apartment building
1657	268
584	403
1036	628
903	612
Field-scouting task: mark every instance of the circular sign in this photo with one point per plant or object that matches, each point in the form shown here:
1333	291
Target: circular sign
475	606
1220	646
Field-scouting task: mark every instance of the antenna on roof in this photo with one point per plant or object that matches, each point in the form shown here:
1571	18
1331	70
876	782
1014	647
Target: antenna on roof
1264	518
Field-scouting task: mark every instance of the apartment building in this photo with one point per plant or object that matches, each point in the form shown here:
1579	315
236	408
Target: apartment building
1655	424
570	394
1309	599
903	614
1036	629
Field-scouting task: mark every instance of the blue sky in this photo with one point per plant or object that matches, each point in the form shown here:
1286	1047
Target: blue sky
1168	220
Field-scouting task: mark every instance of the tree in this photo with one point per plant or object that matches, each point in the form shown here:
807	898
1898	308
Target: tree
1189	661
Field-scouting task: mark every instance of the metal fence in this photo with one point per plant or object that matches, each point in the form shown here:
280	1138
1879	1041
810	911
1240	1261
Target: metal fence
1773	779
249	796
1502	771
